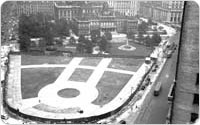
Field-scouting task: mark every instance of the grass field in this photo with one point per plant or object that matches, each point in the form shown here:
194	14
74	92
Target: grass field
68	93
92	61
33	79
33	60
80	75
109	86
129	64
140	50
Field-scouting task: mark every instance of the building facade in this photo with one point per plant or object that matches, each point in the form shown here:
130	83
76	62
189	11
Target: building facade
70	10
105	23
99	16
33	7
184	106
162	11
128	8
87	15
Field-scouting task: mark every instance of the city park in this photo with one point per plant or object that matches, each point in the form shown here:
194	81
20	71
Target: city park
78	87
37	32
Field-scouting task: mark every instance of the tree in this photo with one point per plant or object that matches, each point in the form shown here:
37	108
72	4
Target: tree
103	44
48	34
95	34
24	41
108	35
131	35
142	27
88	46
148	41
62	28
150	21
73	27
140	37
34	26
80	46
156	39
72	40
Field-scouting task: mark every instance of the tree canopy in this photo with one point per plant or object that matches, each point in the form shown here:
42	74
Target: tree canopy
142	27
108	35
95	34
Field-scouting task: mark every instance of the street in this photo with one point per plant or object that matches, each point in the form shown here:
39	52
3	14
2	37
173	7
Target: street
156	108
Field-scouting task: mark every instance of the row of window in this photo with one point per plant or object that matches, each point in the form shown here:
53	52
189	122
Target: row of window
33	12
175	19
177	4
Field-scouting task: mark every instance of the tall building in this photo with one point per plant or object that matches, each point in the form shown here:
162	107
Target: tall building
33	7
184	94
129	8
162	11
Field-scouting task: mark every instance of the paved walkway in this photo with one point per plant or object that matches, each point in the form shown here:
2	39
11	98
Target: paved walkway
14	79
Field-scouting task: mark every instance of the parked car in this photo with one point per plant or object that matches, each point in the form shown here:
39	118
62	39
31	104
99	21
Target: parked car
122	122
169	53
170	50
157	88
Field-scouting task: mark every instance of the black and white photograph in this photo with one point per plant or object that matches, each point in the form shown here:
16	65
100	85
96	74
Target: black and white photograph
99	62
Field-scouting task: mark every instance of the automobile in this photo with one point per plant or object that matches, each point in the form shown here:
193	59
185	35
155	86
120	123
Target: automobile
157	88
122	122
170	50
169	53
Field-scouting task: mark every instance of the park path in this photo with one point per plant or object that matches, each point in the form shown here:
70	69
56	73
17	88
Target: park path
98	72
65	75
88	91
85	96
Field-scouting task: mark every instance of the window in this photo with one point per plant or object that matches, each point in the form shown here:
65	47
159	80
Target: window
194	117
174	19
197	79
196	99
171	19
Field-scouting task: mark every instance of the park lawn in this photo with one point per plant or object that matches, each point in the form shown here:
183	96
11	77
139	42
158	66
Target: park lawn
109	86
80	75
129	64
68	93
90	61
34	60
33	79
140	50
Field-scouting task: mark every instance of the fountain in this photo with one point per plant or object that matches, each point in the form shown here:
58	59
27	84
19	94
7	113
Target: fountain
127	47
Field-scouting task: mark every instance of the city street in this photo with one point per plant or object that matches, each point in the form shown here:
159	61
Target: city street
156	108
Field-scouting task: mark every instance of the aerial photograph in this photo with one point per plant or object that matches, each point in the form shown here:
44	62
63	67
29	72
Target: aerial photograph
99	62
